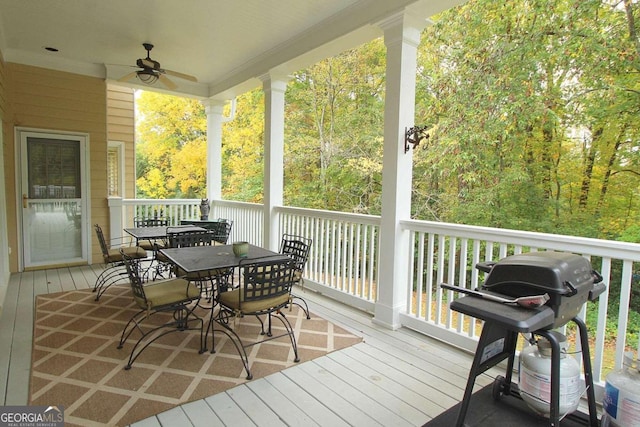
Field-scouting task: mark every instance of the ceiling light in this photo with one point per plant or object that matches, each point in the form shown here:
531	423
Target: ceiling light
147	76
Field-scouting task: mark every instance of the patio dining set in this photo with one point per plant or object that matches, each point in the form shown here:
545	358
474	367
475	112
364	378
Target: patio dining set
192	279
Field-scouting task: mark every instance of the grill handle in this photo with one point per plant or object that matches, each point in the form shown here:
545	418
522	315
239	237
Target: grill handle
533	301
572	289
485	266
597	277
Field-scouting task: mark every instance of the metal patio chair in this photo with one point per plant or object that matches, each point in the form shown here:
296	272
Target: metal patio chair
150	245
297	247
114	269
266	284
175	299
221	230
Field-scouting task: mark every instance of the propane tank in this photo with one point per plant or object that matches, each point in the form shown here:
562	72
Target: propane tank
535	377
622	395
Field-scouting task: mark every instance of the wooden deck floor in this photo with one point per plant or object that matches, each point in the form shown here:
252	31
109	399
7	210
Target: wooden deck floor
392	378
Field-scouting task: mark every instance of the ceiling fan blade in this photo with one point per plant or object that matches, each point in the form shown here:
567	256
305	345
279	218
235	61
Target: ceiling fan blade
168	83
181	75
127	77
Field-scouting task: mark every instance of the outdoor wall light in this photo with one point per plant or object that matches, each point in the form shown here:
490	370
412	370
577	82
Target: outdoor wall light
413	136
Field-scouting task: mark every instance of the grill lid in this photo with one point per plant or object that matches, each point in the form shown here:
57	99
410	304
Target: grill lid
533	273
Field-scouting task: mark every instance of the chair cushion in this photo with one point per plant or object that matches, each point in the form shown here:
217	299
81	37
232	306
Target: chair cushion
162	257
167	292
135	252
147	245
231	299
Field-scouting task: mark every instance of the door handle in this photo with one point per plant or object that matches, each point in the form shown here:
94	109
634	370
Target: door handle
24	201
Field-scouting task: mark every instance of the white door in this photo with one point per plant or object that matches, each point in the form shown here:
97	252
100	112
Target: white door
54	198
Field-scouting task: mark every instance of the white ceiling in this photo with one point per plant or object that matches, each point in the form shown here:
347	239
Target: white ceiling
226	44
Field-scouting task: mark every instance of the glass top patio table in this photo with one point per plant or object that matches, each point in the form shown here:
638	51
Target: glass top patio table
197	259
158	232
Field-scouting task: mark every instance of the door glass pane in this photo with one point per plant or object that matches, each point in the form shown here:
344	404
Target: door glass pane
53	209
54	169
56	233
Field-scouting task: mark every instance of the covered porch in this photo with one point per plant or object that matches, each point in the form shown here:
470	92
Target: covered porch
347	258
377	276
391	378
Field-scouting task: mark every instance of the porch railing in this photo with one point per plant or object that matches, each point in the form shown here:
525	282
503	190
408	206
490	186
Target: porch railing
449	252
344	265
174	210
344	252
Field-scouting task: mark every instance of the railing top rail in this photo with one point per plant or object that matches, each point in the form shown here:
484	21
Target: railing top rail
234	203
334	215
160	201
583	245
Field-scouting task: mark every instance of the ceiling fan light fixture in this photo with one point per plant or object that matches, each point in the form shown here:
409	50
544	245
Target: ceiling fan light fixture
147	76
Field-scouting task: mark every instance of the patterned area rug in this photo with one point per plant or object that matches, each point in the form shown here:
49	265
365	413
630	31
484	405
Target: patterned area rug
76	363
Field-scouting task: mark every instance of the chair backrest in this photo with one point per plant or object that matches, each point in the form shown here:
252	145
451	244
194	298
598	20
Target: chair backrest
183	239
266	278
297	247
221	230
150	222
135	280
103	243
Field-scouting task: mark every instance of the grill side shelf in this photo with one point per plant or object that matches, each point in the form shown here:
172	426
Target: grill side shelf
511	317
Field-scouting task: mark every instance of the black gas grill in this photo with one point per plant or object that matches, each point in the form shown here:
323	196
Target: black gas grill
568	279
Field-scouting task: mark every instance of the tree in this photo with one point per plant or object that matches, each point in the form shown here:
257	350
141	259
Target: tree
243	150
165	126
334	132
532	105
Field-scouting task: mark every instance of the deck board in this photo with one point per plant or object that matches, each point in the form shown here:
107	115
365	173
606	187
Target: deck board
305	401
7	326
18	383
255	408
282	403
409	390
200	414
391	378
227	410
385	406
315	382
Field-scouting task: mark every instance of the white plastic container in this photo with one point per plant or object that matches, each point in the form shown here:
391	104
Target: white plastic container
535	378
622	395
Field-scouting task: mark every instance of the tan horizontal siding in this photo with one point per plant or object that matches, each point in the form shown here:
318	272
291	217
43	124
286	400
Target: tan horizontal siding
55	100
121	127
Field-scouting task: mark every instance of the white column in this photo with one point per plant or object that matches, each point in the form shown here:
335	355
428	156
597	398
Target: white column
215	118
401	37
116	217
274	90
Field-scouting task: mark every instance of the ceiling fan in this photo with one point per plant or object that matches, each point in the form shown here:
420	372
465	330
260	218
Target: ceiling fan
150	71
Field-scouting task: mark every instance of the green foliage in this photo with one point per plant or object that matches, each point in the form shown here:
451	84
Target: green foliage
333	132
170	147
531	103
533	107
243	150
